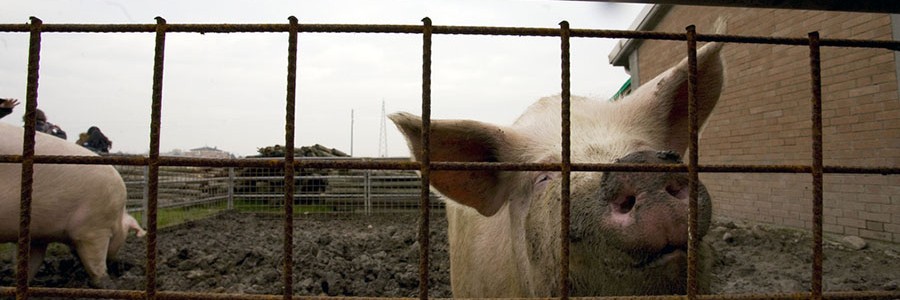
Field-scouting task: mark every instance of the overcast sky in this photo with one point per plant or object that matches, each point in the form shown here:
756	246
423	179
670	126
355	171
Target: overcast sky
228	90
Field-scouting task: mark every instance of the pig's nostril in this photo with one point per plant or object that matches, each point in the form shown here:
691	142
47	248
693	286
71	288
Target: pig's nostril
677	191
627	205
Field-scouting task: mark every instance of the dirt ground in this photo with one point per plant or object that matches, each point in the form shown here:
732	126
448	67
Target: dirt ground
377	255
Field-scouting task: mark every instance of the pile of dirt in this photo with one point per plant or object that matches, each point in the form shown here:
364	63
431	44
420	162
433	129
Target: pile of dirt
377	255
305	151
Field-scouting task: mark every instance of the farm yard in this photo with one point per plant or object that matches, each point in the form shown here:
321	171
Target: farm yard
355	234
377	255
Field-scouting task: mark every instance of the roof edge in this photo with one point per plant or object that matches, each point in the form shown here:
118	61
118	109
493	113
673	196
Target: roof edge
646	20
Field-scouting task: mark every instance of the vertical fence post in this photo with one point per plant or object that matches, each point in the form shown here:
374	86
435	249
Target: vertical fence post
566	167
290	107
693	157
231	188
145	201
816	103
23	246
425	168
152	167
367	190
153	161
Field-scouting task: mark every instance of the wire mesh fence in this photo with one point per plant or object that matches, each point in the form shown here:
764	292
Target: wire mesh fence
346	186
187	193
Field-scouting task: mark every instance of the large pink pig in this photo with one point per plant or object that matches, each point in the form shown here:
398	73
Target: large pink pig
628	230
80	205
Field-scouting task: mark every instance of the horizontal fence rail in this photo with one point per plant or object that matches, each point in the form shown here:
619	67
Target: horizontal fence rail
452	30
170	295
444	166
154	161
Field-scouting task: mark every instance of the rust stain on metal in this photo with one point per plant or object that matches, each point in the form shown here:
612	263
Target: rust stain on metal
153	160
289	163
24	240
458	30
443	166
289	124
693	156
566	159
171	295
816	104
425	167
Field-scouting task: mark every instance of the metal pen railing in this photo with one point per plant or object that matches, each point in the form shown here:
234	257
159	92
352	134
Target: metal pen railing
28	158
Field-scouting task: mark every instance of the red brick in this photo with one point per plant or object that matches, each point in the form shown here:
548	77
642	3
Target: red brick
884	77
870	198
875	235
867	108
851	222
892	228
796	223
831	228
878	217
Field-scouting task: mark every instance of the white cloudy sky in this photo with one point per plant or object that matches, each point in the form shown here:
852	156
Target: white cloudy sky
228	90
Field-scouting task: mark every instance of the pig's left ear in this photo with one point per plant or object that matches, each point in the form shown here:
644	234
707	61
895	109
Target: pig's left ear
462	141
664	100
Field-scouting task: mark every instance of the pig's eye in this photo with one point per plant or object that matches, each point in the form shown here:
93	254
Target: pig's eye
541	180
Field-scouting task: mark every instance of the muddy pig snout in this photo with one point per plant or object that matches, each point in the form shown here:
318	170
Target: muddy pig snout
652	207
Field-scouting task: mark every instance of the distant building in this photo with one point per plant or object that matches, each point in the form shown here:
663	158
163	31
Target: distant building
763	115
207	152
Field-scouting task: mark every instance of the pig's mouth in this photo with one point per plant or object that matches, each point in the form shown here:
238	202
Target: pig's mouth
666	256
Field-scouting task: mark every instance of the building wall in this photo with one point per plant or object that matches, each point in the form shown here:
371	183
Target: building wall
763	117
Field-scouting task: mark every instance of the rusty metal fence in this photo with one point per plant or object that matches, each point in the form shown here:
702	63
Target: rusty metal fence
153	162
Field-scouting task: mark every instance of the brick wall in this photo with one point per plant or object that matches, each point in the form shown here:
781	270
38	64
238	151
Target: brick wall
763	117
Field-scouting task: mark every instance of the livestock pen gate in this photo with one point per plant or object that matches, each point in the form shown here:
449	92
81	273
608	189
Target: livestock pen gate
186	192
154	161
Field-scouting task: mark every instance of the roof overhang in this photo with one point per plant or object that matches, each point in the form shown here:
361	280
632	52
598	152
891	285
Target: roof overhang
646	20
651	15
873	6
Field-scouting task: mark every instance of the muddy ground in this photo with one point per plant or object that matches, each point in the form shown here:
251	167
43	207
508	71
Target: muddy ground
377	255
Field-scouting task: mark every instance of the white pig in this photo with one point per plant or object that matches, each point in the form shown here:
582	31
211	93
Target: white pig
80	205
628	230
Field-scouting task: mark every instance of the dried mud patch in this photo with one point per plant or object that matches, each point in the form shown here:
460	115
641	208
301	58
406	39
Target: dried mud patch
377	255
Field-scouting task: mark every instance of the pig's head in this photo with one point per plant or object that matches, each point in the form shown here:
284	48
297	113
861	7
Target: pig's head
628	229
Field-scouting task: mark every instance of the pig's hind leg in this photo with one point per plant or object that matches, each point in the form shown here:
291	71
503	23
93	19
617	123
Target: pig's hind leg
35	258
92	252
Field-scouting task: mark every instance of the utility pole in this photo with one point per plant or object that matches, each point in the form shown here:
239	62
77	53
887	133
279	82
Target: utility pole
351	132
382	140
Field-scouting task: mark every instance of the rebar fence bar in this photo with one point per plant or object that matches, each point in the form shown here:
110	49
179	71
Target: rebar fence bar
566	159
816	104
425	170
693	156
425	166
290	109
24	241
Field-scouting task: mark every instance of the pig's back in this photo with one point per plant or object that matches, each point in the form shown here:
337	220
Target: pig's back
63	196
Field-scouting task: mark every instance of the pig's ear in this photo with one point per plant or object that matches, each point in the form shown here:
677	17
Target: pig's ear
667	96
461	141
